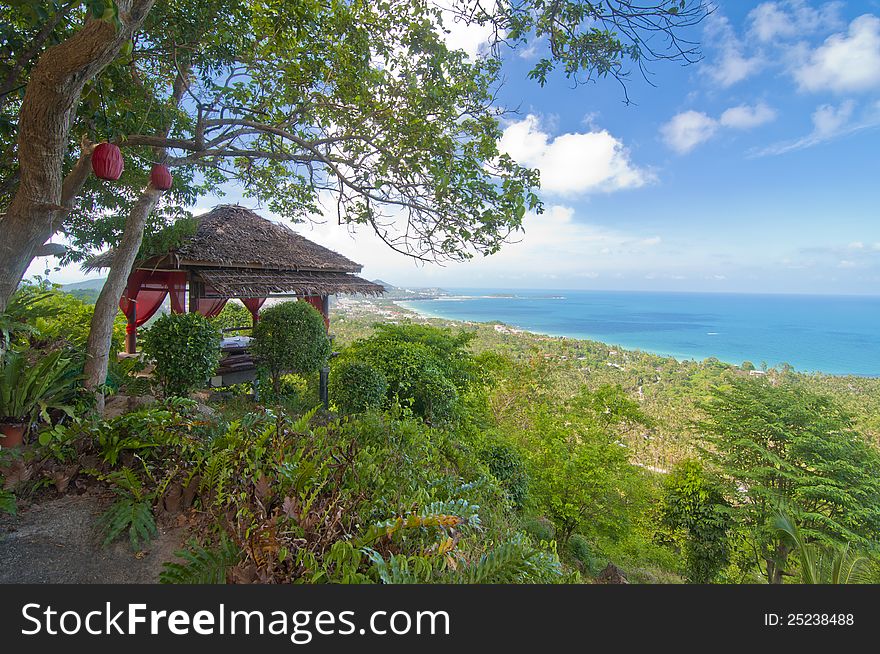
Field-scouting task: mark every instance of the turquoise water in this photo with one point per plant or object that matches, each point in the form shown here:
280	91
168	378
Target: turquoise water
832	334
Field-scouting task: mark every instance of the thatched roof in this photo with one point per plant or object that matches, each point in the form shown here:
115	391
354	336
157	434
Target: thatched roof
243	282
230	236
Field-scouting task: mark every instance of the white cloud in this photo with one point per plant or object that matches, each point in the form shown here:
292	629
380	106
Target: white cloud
575	249
829	122
593	161
773	21
732	65
462	33
687	130
747	117
847	62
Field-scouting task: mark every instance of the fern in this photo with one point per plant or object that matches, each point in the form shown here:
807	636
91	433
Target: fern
301	426
201	565
215	475
444	515
506	564
132	514
7	502
400	569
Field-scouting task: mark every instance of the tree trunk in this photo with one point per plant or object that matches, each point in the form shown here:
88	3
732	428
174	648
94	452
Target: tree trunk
49	104
101	330
776	566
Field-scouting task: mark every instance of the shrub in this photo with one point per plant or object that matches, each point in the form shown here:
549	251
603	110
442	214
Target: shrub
30	388
415	376
186	349
356	387
541	529
290	337
580	550
507	466
45	314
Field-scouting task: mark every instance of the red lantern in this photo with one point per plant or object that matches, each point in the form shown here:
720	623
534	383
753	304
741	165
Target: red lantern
107	161
160	177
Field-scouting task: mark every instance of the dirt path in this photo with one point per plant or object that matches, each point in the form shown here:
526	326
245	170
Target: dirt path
58	541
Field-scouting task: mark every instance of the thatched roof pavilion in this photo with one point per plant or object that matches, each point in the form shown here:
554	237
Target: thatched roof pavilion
235	253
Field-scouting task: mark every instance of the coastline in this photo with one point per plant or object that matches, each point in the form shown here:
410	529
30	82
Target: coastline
680	357
395	310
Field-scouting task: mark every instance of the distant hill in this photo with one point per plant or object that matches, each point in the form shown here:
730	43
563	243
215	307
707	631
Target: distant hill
88	285
398	293
86	291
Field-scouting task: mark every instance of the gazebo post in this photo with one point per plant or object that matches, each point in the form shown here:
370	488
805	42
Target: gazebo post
325	309
194	294
131	329
324	385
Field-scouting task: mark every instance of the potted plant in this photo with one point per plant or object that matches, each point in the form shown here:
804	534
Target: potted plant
30	389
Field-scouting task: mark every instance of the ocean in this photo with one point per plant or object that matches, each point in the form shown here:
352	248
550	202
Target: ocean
813	333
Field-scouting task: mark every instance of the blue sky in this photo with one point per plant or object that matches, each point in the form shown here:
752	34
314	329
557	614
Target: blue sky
755	170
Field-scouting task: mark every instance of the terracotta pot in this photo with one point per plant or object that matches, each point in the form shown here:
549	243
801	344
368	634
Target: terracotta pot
13	434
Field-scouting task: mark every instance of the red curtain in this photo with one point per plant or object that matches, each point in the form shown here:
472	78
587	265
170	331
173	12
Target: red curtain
253	305
211	307
317	301
145	292
176	282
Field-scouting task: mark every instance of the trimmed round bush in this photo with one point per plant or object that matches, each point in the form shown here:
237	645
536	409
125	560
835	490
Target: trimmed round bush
356	387
290	337
186	349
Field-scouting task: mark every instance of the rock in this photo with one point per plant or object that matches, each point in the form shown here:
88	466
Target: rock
115	407
205	411
611	575
119	405
173	498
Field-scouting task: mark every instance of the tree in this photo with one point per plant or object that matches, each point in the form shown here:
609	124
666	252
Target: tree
580	475
694	502
39	193
290	337
359	100
828	564
249	96
785	444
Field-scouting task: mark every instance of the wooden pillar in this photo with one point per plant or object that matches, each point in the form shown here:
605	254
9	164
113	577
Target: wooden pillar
194	294
325	310
131	330
324	387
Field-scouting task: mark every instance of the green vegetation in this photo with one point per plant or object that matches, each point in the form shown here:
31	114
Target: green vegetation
234	314
290	338
357	387
185	348
694	503
428	371
31	387
471	455
784	444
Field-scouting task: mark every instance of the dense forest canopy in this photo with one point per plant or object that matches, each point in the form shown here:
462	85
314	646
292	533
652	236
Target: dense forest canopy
360	99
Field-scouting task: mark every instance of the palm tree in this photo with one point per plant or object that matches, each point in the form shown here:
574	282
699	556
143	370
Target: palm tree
822	564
